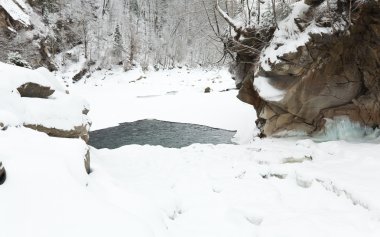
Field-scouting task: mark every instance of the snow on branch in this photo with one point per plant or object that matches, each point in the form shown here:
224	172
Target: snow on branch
238	28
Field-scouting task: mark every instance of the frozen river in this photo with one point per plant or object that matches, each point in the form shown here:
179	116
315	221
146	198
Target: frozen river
157	132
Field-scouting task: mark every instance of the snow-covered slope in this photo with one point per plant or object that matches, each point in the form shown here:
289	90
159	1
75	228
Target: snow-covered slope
45	192
269	188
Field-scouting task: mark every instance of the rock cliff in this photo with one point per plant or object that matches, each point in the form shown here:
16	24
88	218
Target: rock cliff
321	62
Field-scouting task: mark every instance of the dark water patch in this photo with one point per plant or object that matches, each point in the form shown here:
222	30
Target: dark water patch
157	132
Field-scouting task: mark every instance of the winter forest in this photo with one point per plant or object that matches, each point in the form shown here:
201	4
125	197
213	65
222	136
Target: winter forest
189	118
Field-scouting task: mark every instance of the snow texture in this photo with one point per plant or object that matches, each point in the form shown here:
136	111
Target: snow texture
59	111
288	37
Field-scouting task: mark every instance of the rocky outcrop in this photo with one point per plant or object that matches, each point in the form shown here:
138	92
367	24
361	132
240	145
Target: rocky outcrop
34	90
334	73
34	32
3	174
13	15
77	77
42	103
76	132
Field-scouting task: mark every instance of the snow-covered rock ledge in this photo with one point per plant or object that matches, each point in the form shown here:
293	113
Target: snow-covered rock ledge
319	63
35	99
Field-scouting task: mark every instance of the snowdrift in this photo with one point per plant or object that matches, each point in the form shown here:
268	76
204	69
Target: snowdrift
60	114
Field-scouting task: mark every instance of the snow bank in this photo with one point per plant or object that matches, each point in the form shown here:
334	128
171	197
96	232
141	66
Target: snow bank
13	77
46	193
60	110
270	188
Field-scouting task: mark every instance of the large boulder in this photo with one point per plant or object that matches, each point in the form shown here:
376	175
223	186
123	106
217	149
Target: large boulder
333	73
34	90
35	99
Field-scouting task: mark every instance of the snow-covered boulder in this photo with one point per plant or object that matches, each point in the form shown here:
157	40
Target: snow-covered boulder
55	113
322	62
34	90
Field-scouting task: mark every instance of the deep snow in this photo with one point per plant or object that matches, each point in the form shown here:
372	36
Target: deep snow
266	188
60	110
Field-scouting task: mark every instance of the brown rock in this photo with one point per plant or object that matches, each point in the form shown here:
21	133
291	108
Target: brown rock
80	74
34	90
77	132
332	75
248	94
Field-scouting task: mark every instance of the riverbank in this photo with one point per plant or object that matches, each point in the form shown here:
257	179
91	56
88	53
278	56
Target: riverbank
261	187
268	187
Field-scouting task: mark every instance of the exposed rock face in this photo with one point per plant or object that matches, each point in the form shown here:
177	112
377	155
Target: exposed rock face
34	90
77	132
331	75
25	30
87	162
2	174
13	16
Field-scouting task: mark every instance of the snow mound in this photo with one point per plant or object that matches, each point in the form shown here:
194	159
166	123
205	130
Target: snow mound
60	110
46	193
12	77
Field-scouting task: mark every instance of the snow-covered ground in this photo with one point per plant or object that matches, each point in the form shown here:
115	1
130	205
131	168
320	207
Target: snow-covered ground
266	188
